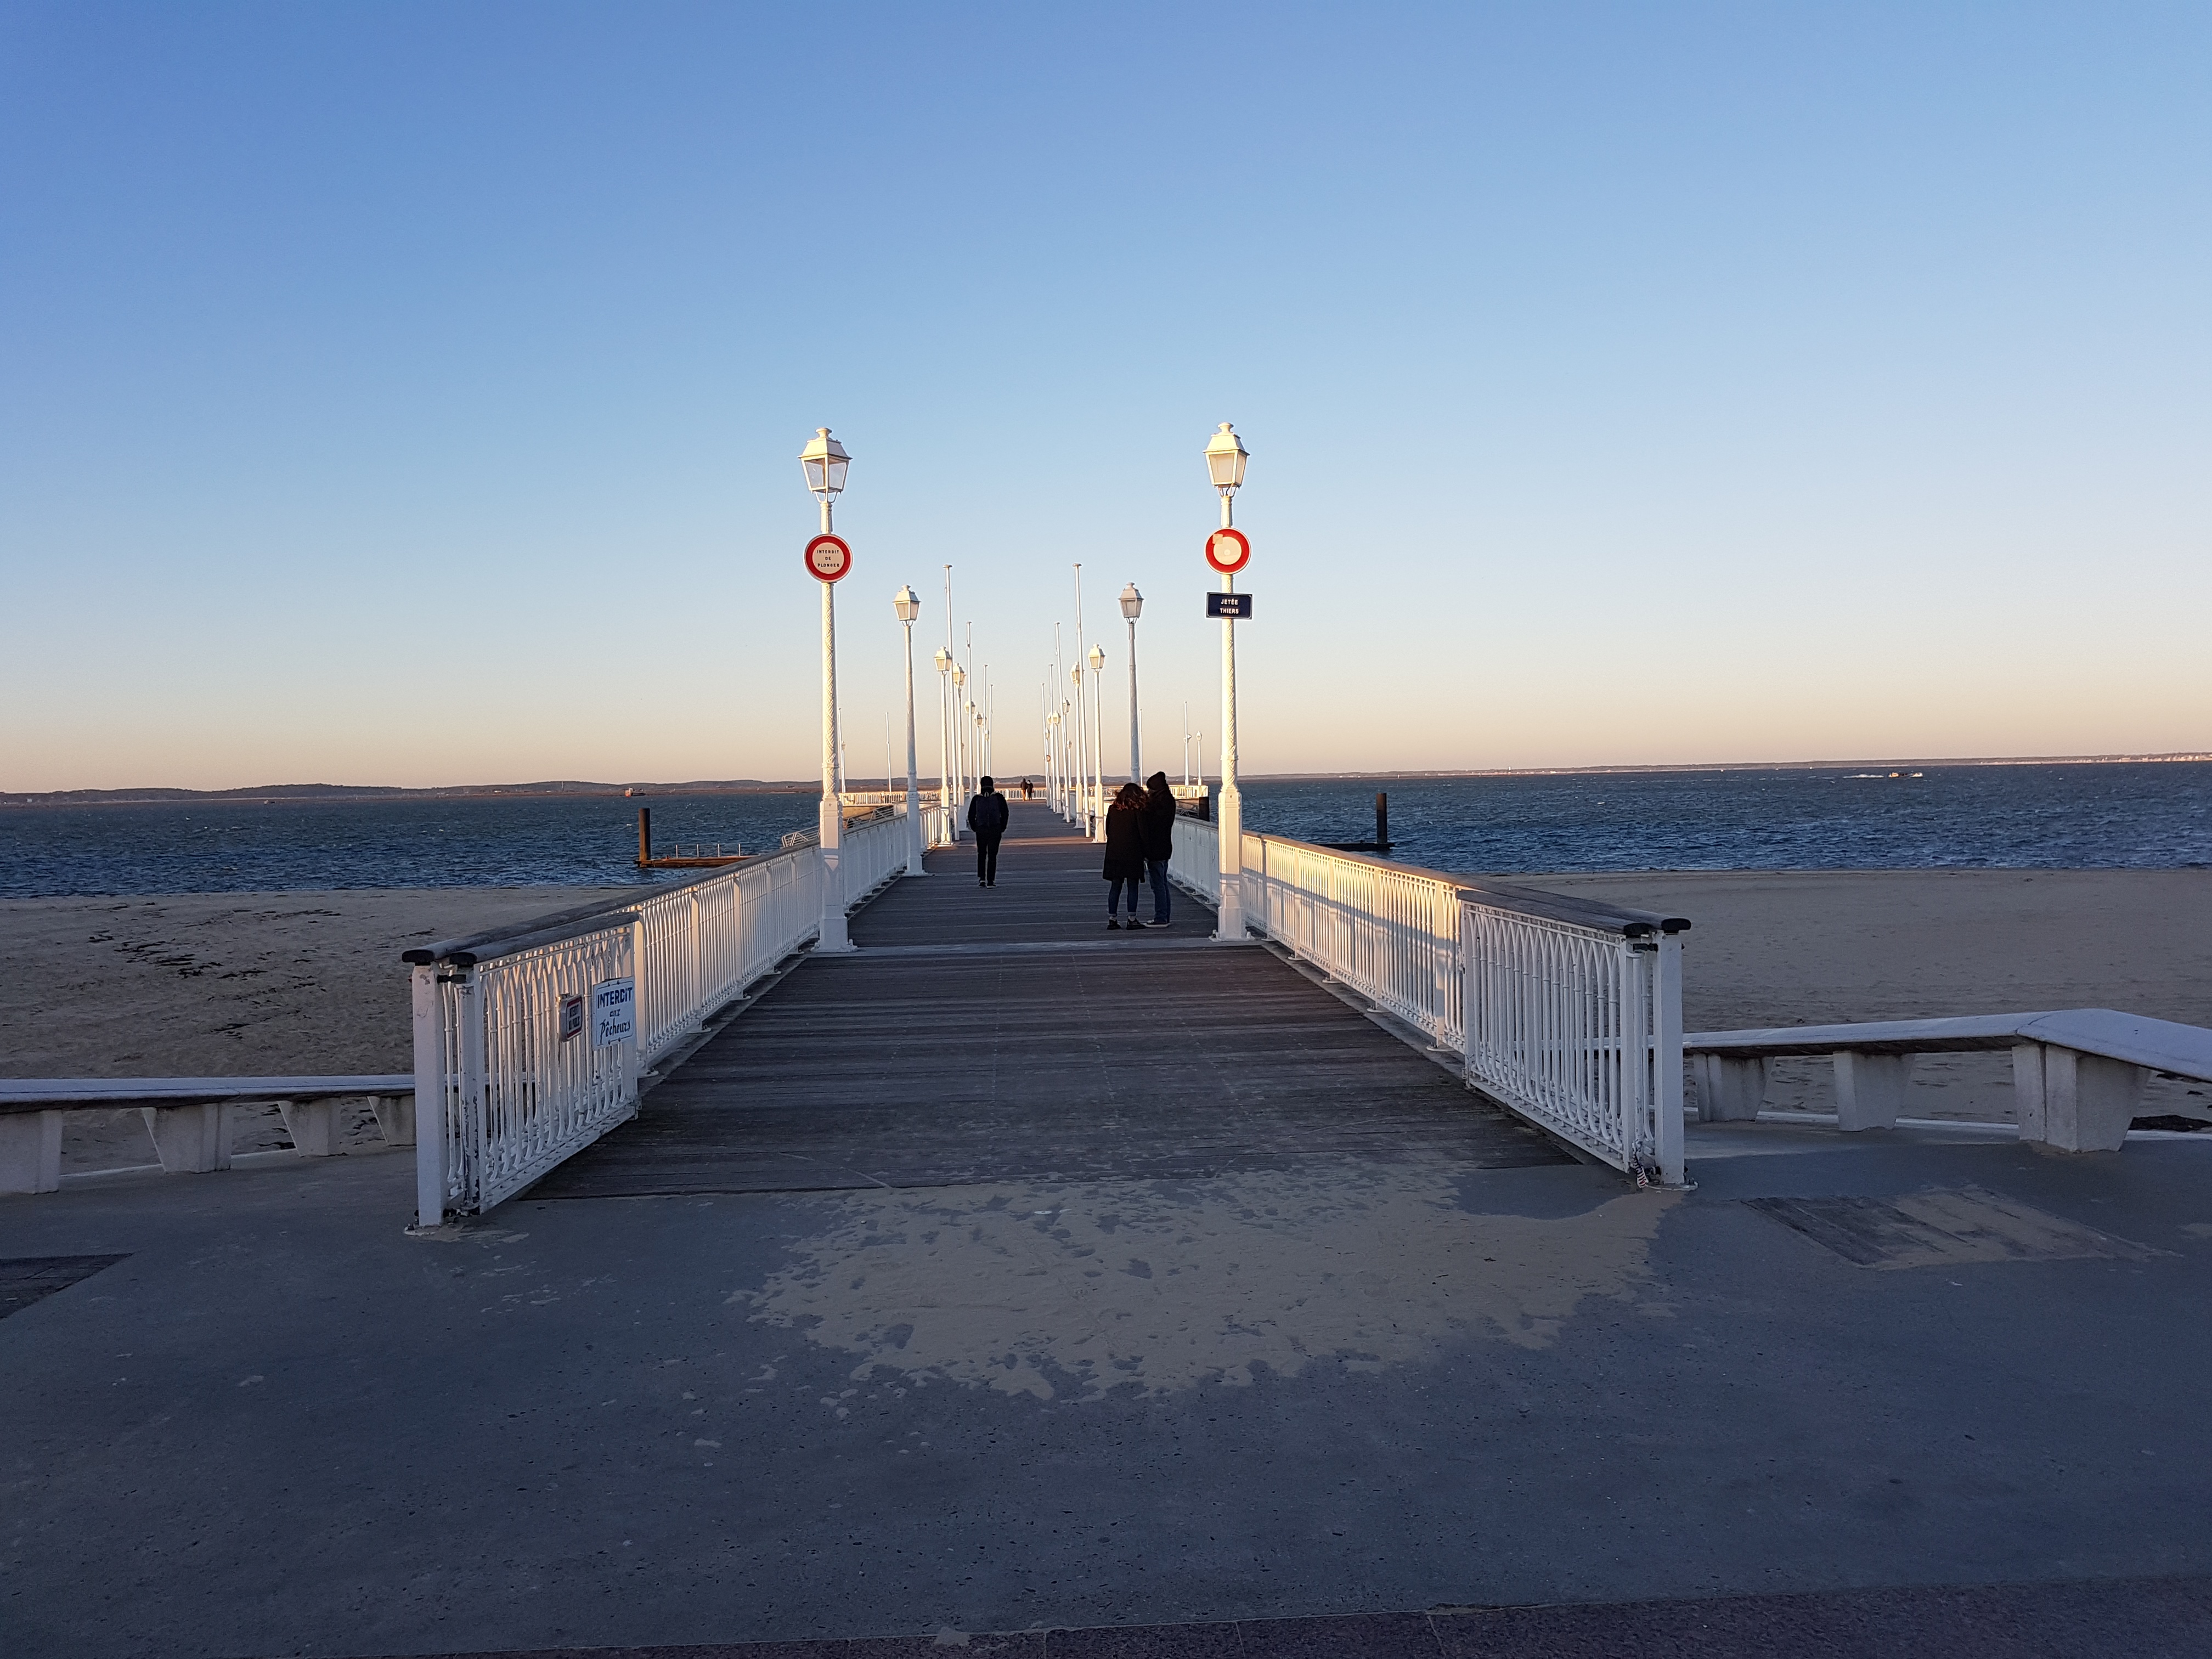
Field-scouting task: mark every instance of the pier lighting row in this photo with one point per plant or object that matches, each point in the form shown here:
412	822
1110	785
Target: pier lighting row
826	463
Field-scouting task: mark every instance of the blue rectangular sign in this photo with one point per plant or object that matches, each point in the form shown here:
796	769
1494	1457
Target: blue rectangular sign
1237	607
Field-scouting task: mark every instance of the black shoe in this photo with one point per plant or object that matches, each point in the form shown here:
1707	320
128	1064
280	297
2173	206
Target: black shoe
1114	924
1136	926
1157	924
993	882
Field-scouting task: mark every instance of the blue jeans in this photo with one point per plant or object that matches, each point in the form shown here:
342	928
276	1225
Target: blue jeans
1159	873
1114	886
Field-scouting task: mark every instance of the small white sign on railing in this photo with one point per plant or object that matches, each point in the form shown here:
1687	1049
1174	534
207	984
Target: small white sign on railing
614	1012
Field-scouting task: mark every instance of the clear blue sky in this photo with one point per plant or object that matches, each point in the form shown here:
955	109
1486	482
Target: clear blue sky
410	393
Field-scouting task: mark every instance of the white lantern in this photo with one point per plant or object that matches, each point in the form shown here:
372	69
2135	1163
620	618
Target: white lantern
824	461
1226	456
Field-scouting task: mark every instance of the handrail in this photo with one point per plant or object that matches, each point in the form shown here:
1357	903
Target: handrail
513	1071
554	925
1566	1011
1568	908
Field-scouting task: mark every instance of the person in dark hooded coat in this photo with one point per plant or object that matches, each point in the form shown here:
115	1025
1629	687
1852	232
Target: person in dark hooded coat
1159	841
987	815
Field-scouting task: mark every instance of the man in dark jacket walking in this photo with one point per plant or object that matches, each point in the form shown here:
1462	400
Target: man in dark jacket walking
1159	841
987	815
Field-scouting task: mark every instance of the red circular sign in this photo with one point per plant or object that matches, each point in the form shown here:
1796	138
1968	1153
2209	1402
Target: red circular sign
1227	551
828	558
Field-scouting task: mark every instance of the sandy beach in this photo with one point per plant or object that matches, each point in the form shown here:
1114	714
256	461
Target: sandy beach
224	984
271	983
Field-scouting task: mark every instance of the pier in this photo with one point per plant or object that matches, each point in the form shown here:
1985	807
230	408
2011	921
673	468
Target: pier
1031	1044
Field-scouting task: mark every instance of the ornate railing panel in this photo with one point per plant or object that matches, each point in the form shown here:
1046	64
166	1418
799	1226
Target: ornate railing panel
1389	933
514	1071
1579	1028
1567	1012
1196	864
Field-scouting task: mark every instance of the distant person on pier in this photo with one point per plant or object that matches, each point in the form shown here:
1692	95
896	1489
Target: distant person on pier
1159	841
1125	851
1028	789
987	815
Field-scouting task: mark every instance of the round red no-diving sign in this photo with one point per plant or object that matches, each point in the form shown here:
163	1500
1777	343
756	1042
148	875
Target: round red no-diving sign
828	558
1227	551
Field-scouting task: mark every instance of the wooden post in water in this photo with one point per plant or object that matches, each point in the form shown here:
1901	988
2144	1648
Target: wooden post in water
1381	822
645	835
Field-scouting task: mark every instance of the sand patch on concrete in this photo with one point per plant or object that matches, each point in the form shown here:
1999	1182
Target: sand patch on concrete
1050	1290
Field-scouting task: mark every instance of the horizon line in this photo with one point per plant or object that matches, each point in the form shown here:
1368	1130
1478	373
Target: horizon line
154	794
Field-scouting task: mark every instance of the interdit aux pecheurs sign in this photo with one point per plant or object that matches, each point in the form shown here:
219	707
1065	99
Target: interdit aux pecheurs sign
614	1012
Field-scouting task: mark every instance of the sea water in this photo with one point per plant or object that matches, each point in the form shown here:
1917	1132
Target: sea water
234	846
2125	816
2155	815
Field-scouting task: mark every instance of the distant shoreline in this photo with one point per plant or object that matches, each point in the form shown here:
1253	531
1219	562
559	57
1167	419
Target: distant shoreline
288	792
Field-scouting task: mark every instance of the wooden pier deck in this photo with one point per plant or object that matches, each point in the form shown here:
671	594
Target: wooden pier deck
1002	1034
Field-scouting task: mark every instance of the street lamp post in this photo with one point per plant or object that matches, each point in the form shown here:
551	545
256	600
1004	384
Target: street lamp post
1098	736
944	660
824	463
1052	760
1132	602
1082	755
1226	456
906	606
960	727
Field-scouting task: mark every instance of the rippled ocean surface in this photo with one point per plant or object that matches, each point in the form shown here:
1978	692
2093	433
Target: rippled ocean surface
247	847
2128	816
2150	816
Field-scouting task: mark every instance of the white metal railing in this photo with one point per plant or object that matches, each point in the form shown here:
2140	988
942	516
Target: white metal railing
705	940
1388	932
872	853
520	1097
1579	1027
512	1074
927	795
1195	864
1567	1012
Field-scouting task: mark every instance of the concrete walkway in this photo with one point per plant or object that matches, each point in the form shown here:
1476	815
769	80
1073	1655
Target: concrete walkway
1034	1364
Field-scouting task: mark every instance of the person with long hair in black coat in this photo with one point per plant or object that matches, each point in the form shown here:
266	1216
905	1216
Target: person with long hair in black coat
1125	851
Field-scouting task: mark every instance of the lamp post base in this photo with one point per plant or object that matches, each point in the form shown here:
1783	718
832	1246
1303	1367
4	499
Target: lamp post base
1228	925
832	938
